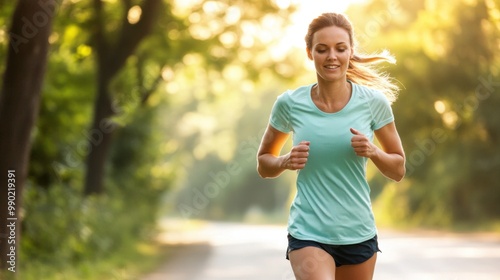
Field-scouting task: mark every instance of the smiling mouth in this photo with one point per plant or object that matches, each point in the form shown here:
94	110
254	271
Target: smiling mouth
332	66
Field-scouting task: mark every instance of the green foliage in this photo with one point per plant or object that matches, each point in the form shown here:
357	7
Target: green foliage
64	230
6	9
448	64
60	137
73	235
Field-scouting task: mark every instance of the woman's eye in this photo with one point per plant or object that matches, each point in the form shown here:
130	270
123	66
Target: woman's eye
341	50
321	51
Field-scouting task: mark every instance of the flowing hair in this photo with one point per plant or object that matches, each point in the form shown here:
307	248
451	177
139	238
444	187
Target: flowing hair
360	69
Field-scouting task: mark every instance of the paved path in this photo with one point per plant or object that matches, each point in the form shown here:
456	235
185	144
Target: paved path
433	256
220	251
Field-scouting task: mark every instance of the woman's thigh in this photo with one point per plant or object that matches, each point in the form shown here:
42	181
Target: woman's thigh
312	263
362	271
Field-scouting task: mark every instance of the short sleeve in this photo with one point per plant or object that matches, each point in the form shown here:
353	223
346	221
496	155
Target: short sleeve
381	111
280	114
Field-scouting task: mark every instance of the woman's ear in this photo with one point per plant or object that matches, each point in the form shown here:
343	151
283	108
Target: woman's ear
309	55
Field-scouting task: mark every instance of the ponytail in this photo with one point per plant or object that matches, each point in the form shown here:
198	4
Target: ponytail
361	71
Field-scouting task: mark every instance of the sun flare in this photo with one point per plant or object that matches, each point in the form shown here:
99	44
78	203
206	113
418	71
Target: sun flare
307	11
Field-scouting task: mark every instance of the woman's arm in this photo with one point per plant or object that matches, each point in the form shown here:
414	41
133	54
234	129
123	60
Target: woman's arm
269	162
390	160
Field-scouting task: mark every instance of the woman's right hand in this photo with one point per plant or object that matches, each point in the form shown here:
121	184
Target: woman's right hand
297	157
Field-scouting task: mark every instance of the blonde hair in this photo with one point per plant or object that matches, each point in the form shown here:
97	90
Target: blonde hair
360	69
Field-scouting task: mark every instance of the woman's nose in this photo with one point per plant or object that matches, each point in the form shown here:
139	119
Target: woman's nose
331	55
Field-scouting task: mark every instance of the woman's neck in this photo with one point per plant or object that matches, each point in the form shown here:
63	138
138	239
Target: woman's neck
331	96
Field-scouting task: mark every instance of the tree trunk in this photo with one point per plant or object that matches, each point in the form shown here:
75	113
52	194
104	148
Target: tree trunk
110	60
100	137
19	106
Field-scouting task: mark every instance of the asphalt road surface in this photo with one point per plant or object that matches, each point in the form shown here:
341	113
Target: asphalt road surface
220	251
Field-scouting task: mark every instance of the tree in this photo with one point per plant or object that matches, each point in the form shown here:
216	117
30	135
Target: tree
447	62
111	57
19	105
209	29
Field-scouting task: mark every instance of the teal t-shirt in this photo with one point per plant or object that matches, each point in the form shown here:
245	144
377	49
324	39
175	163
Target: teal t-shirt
332	204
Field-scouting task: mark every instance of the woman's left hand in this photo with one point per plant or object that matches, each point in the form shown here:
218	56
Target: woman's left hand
362	146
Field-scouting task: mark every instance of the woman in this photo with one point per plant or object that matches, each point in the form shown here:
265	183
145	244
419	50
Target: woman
332	233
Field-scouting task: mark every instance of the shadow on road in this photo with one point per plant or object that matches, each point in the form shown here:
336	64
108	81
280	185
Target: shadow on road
186	261
219	251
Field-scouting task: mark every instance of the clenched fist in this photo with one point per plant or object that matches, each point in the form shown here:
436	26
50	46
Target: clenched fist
362	146
297	157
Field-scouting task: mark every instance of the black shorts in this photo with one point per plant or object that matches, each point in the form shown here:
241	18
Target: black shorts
342	254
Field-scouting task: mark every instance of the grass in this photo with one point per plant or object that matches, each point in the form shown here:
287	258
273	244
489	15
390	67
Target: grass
127	264
131	262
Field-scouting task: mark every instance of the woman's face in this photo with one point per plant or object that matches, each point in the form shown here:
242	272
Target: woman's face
330	52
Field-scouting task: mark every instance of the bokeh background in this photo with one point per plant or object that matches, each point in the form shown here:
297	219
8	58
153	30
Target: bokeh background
154	109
